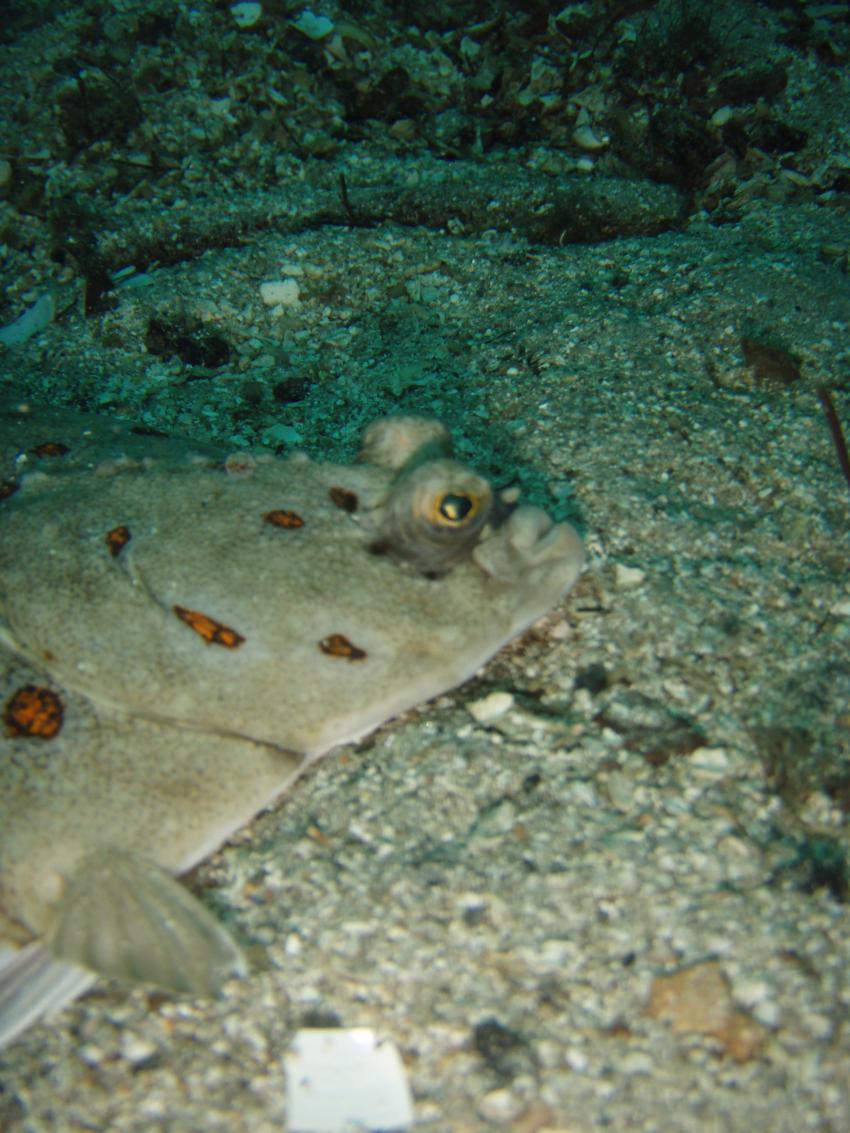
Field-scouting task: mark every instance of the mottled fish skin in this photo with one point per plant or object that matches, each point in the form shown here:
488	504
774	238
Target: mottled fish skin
180	634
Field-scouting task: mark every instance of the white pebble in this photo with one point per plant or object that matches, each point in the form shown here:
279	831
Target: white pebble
576	1059
627	578
136	1049
91	1054
490	707
636	1062
710	760
500	1106
751	992
280	292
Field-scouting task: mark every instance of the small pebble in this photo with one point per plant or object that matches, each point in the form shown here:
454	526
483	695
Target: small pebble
280	292
246	15
620	789
136	1050
313	26
721	117
710	761
490	707
586	138
576	1060
500	1106
91	1054
636	1062
628	578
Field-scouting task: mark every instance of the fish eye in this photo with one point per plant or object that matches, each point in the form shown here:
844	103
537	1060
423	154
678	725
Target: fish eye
434	515
454	508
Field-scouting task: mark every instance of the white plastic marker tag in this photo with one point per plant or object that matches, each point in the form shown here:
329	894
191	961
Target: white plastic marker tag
339	1081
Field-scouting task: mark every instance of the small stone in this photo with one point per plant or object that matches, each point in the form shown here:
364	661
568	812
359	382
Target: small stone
280	292
576	1059
91	1054
500	1106
313	26
637	1062
246	15
137	1050
586	138
628	578
620	789
752	992
721	117
710	761
490	707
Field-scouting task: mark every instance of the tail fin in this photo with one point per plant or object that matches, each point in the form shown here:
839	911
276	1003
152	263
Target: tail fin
33	984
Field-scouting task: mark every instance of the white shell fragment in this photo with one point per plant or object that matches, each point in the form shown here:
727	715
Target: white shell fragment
345	1079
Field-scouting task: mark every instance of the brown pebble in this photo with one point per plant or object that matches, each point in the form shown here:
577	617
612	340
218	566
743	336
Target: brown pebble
698	1000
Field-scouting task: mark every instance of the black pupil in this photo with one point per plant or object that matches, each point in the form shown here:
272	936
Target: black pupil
455	508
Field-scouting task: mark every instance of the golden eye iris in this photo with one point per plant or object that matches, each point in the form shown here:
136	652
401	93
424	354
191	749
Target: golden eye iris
455	509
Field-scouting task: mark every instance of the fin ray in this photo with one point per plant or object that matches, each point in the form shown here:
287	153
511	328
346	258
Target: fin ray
34	984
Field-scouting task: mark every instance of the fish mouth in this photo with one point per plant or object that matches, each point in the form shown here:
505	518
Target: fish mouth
526	544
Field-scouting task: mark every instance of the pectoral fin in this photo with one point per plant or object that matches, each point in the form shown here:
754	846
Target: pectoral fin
125	916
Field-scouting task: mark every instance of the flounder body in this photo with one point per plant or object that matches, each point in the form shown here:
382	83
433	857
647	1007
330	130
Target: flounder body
180	635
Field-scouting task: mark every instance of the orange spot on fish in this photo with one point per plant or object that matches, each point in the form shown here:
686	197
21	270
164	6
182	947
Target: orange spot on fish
338	645
34	711
117	539
343	499
280	517
213	632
